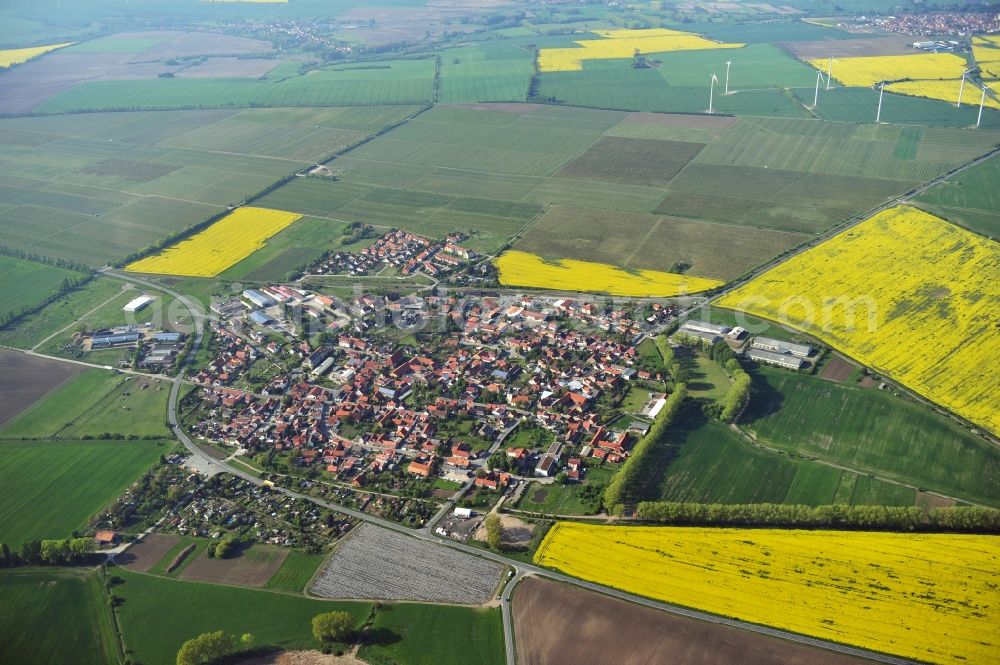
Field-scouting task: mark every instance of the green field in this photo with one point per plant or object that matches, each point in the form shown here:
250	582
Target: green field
970	198
362	84
296	571
709	463
32	329
486	72
302	243
25	284
95	403
159	614
871	430
55	616
96	187
860	105
706	379
408	634
50	489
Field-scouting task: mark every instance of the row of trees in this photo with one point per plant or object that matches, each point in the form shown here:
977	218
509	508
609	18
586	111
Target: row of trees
616	493
895	518
46	553
494	531
729	406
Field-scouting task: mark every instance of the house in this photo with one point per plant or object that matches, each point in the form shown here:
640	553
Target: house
546	466
421	466
103	538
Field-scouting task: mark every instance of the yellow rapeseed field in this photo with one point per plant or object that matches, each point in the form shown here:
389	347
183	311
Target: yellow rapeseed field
222	245
932	597
525	269
866	71
945	91
986	51
904	292
16	56
622	44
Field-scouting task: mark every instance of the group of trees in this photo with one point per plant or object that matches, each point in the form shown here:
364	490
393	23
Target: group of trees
729	406
212	647
894	518
643	454
494	531
46	553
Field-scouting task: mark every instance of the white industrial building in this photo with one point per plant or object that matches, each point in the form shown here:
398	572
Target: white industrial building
690	327
781	346
779	359
136	304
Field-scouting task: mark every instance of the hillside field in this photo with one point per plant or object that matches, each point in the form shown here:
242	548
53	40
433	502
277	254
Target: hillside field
903	292
55	616
49	488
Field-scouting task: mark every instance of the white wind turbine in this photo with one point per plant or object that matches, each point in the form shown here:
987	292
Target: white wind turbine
829	72
982	100
961	88
819	77
711	92
881	92
728	64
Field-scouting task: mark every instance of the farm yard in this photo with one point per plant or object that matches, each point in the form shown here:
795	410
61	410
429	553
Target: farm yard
80	477
916	596
923	323
55	616
95	188
24	380
548	616
377	563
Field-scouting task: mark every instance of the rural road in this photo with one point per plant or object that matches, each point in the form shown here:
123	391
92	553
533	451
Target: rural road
520	569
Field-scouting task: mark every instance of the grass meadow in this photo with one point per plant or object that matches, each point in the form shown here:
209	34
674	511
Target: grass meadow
27	283
970	198
49	489
55	616
439	635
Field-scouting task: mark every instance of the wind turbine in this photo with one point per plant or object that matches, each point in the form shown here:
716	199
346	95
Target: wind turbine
961	88
881	91
829	72
711	92
728	64
819	77
982	100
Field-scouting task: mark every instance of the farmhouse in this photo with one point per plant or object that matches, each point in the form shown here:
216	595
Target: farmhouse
779	359
136	304
781	346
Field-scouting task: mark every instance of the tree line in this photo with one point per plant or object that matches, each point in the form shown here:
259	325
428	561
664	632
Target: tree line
68	284
61	552
889	518
643	455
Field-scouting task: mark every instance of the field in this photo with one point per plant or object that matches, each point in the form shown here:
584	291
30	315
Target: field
251	567
16	56
485	72
421	635
871	430
49	489
95	403
986	50
55	616
25	284
570	499
916	596
365	84
94	188
148	552
296	571
708	463
376	563
548	617
622	44
159	614
923	321
944	90
32	329
969	198
24	380
866	71
859	105
519	268
222	245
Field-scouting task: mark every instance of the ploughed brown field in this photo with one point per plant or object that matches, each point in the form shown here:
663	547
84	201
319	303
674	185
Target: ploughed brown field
148	552
24	380
251	567
837	370
556	624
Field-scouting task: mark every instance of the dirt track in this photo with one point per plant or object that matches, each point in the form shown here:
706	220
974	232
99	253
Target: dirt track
555	624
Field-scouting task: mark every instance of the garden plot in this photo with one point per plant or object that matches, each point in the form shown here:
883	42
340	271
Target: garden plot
381	564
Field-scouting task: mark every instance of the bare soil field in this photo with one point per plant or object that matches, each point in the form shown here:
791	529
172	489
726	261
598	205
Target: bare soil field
633	161
147	553
375	563
850	48
252	567
929	502
555	624
303	658
229	67
25	379
24	87
680	120
837	370
516	532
